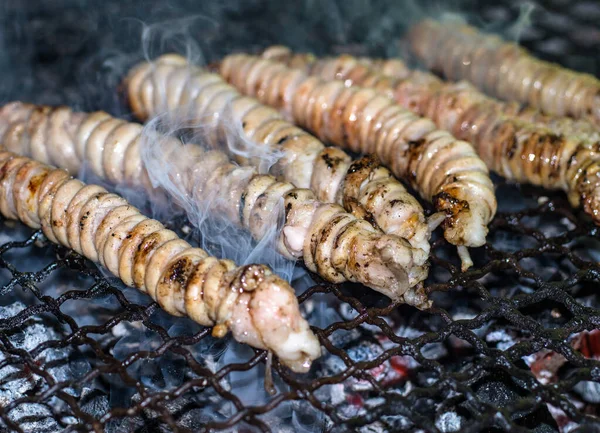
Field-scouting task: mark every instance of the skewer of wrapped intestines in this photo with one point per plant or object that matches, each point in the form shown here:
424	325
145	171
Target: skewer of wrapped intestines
504	69
388	75
258	307
526	152
363	187
441	168
394	68
334	244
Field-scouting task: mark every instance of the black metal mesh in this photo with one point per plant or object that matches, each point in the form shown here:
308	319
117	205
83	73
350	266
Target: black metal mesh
78	352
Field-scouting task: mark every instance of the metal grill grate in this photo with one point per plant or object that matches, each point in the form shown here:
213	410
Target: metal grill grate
529	300
505	340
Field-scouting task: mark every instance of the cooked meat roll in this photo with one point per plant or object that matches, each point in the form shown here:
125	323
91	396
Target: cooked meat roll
519	143
336	245
504	69
258	307
441	168
363	186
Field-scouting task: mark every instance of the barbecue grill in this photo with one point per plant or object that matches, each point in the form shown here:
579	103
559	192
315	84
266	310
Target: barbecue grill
510	345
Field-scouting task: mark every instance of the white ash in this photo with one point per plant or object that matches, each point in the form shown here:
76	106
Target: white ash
376	427
544	270
463	314
35	418
397	422
374	402
360	351
341	337
431	351
467	314
568	223
589	391
502	338
431	381
349	411
338	393
121	329
448	422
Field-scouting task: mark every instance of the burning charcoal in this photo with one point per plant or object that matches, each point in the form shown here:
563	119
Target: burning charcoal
469	204
500	390
93	402
18	381
565	424
366	350
350	397
546	363
86	77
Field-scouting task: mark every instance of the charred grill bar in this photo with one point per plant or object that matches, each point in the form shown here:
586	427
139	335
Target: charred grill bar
510	345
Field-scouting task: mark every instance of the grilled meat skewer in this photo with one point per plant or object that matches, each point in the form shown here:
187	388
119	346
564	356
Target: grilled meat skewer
441	168
505	70
258	307
522	151
363	186
332	243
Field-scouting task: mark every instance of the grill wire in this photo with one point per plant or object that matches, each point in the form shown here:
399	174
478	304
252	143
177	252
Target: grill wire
469	364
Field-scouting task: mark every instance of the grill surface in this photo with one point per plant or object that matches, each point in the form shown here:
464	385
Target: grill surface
484	358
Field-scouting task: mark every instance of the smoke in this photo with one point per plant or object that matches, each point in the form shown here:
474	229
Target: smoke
515	31
177	167
175	35
76	52
510	29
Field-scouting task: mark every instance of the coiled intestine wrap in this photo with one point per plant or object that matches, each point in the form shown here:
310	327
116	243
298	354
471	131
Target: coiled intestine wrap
441	168
257	306
362	186
519	143
336	245
505	70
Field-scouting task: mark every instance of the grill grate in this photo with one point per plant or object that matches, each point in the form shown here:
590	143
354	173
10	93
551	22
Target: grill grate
468	376
505	340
